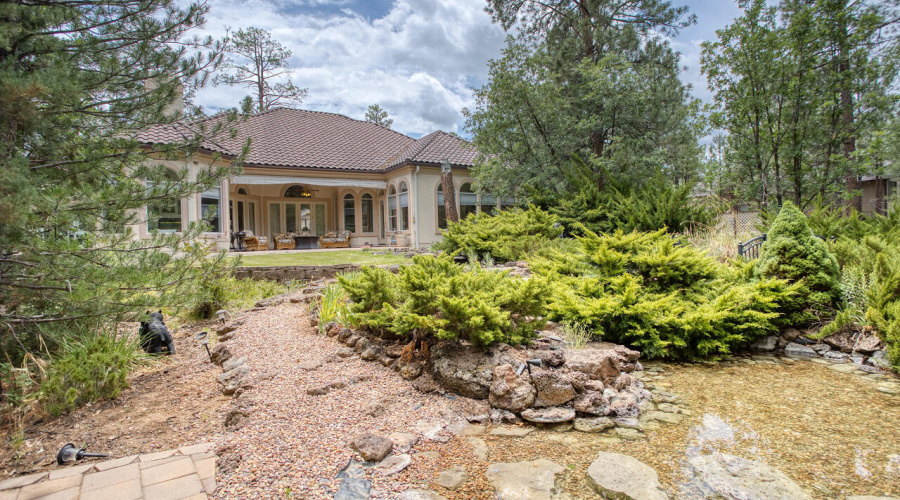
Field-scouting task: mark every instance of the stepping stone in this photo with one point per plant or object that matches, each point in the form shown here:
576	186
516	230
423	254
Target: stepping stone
534	480
511	431
452	478
393	464
614	475
420	495
735	478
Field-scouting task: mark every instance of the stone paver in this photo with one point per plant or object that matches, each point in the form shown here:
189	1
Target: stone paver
187	473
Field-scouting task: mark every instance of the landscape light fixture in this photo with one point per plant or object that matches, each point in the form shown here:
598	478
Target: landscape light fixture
201	337
223	315
69	454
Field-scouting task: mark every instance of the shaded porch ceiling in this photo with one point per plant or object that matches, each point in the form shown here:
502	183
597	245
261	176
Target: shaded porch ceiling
310	181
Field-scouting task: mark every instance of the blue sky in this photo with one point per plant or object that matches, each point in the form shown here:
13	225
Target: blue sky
418	59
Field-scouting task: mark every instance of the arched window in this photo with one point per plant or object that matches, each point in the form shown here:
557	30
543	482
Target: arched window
468	201
164	215
392	209
404	207
242	191
441	210
367	207
349	213
297	191
488	203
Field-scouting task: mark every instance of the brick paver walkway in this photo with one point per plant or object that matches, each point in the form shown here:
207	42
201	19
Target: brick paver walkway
186	473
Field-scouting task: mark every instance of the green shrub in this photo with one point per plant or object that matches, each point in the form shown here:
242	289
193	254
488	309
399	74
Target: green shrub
94	366
434	297
507	236
669	301
793	253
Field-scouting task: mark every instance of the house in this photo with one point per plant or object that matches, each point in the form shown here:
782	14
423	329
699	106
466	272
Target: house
311	172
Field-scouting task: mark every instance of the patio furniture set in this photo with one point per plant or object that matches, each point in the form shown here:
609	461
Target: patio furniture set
246	240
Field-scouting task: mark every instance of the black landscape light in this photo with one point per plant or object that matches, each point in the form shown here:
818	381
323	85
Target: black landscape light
223	315
69	454
201	337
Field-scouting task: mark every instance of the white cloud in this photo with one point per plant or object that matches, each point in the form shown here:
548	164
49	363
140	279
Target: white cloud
417	61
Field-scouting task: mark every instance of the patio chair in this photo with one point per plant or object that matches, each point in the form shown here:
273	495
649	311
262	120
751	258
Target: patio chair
283	241
253	242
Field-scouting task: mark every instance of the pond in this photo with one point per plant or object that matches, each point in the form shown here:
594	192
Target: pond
835	433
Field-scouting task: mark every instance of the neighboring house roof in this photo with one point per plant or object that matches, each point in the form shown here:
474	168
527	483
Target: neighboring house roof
284	137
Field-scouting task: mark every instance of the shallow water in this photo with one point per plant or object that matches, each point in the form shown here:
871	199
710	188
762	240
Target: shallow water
833	433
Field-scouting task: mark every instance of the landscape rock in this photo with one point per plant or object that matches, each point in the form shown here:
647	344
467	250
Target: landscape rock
233	363
236	418
479	448
344	352
228	462
372	447
467	370
551	357
596	424
598	364
510	391
534	480
593	403
318	390
344	334
507	431
361	345
736	478
791	334
549	415
765	344
627	355
394	350
623	381
310	365
352	340
579	381
410	371
452	478
499	416
796	350
553	388
618	476
432	430
353	488
378	408
393	464
403	441
879	359
231	380
417	494
219	354
836	356
425	384
371	353
820	348
624	405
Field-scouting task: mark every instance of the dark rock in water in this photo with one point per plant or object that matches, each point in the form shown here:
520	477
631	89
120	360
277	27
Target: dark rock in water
797	350
510	391
879	359
857	359
549	415
467	370
804	341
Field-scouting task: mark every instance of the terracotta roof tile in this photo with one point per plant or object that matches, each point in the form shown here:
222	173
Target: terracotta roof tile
300	138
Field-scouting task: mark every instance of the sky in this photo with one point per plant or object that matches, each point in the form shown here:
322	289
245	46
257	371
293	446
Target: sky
417	59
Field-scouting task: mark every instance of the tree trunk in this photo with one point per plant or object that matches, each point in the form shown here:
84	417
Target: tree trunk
449	196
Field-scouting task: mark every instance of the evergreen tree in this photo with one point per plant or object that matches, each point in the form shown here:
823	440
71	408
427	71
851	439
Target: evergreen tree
78	80
259	63
378	116
793	253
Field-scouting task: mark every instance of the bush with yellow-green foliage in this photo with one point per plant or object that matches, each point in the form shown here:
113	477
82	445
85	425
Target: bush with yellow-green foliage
437	298
666	299
793	253
507	236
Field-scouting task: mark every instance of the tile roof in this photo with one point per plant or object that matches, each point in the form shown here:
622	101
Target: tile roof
299	138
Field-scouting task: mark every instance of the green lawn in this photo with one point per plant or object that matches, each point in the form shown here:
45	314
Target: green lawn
324	258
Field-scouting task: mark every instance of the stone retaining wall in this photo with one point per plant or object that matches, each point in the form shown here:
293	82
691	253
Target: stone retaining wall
280	273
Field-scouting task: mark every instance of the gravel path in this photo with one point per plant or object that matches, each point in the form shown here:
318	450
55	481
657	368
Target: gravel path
293	444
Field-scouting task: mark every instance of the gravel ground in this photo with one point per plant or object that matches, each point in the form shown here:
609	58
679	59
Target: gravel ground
293	444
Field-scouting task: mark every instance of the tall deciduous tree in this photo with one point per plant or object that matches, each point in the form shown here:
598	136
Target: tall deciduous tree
588	78
378	116
73	93
258	62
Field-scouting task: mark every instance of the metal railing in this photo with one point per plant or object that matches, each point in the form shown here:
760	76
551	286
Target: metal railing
750	249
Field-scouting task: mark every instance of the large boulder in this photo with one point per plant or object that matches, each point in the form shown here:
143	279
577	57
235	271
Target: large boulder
510	391
735	478
598	364
467	370
535	480
619	476
553	388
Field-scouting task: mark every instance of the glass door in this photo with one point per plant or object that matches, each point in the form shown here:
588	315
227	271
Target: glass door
320	218
274	219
